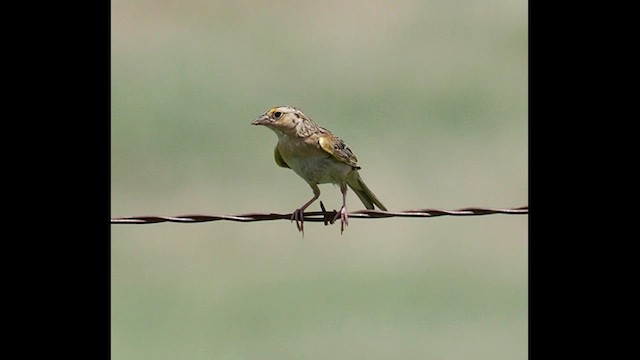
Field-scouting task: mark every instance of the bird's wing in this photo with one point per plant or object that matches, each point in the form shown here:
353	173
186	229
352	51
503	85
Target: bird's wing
338	149
279	159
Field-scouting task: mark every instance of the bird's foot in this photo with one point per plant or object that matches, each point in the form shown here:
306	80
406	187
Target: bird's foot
298	217
344	218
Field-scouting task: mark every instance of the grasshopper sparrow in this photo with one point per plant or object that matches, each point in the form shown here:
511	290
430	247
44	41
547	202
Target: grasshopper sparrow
317	156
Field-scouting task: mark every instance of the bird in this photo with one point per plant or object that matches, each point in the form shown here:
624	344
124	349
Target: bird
317	156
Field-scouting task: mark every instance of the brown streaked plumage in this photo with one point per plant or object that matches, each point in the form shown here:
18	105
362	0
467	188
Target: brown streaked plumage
317	156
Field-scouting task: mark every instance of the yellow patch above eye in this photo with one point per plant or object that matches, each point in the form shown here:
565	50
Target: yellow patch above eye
272	110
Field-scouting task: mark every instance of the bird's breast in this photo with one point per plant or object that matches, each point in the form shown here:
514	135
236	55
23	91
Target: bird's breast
311	162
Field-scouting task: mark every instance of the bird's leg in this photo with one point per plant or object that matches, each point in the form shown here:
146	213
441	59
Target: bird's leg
343	213
298	214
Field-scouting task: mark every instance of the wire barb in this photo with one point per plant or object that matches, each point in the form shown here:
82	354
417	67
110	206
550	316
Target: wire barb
319	216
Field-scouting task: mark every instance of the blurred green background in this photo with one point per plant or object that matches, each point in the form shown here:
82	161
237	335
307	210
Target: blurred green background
432	98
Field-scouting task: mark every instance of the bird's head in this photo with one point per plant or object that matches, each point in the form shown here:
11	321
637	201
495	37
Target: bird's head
283	119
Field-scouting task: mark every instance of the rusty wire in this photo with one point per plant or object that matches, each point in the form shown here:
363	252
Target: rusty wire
319	216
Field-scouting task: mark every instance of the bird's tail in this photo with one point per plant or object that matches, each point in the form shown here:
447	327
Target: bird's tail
367	197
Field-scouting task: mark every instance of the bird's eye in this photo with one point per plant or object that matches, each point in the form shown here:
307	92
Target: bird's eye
277	114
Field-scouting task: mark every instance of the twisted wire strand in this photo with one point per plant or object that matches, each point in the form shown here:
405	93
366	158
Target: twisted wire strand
319	216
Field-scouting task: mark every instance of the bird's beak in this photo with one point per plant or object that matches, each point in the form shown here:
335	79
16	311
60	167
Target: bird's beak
262	120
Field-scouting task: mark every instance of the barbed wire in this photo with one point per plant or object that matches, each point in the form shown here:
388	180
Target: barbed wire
319	216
